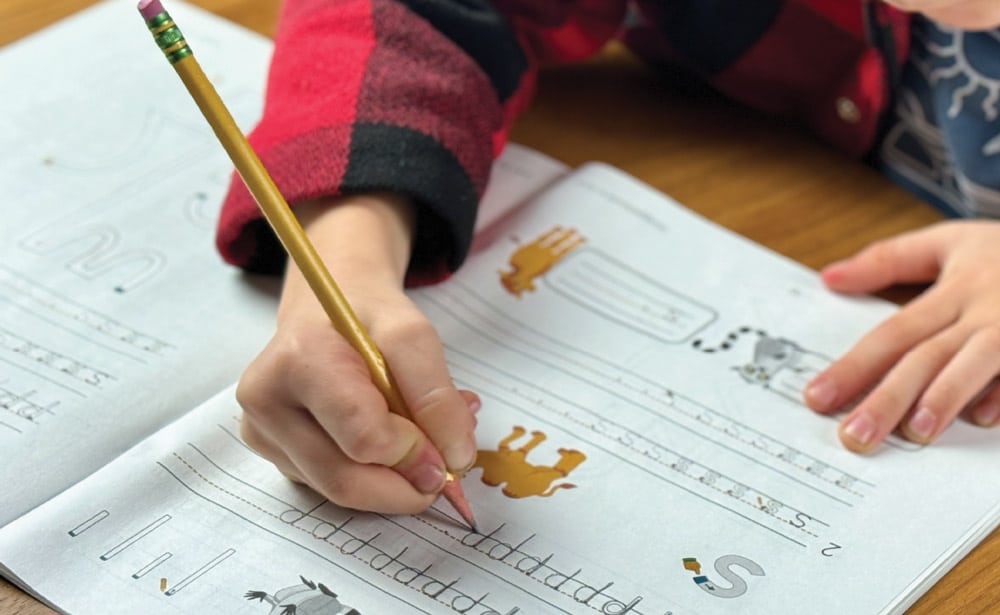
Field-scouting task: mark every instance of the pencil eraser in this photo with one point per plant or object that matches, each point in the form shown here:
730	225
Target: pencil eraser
150	8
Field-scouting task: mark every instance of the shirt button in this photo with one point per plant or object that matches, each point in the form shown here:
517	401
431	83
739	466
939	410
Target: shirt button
847	110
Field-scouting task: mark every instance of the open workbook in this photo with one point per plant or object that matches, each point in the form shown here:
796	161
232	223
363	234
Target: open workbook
643	446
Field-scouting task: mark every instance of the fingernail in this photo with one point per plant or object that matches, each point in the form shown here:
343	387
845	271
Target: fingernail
861	429
474	404
427	478
831	272
460	457
987	414
822	394
923	423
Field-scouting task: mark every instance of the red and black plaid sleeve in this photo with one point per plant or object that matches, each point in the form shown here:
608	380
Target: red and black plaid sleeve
413	96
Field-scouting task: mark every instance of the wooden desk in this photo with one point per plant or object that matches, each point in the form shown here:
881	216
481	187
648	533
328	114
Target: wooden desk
752	175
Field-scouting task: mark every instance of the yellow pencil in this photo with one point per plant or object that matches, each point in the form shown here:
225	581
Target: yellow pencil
279	215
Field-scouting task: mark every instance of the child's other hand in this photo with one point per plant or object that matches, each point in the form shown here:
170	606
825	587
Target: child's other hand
963	14
309	403
939	356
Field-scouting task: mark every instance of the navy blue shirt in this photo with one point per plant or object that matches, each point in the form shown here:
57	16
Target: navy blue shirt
943	135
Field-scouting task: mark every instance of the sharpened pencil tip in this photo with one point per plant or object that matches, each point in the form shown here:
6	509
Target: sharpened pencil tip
453	493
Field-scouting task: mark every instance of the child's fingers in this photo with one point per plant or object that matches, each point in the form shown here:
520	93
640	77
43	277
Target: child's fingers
334	388
415	355
878	350
472	400
908	258
931	385
892	399
444	416
324	466
352	412
264	446
969	370
969	373
473	403
350	484
985	410
945	341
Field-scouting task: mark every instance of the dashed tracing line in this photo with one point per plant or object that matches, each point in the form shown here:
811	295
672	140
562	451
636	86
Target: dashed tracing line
539	403
303	530
540	581
40	355
638	389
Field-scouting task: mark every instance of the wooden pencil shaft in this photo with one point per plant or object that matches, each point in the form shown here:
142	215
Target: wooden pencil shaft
286	226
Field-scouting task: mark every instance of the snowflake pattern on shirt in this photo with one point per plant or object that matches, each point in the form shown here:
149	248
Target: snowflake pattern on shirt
943	137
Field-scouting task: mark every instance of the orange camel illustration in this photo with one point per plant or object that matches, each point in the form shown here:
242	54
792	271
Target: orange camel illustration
506	465
533	259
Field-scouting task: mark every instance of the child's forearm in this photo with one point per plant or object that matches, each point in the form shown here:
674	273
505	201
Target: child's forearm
364	240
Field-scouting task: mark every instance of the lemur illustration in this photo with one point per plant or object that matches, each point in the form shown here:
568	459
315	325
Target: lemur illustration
777	364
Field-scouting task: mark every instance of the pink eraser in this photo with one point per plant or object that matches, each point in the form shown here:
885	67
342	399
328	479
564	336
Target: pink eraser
150	8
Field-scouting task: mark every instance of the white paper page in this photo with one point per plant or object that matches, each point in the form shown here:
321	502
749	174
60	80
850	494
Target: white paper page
662	468
518	174
116	312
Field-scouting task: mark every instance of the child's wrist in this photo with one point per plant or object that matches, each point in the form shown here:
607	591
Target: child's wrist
364	240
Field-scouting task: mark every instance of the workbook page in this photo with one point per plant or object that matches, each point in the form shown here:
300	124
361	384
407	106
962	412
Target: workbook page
116	312
643	450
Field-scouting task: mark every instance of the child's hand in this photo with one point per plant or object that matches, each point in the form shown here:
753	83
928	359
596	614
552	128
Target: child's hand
309	403
963	14
939	355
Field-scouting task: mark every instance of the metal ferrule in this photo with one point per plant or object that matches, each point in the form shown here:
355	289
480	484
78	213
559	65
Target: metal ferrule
168	36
